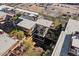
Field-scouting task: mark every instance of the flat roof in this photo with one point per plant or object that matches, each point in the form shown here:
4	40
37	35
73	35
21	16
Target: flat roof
64	40
75	42
26	23
4	6
5	43
44	22
72	26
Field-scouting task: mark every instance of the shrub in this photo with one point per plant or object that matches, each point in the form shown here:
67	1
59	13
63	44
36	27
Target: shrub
17	33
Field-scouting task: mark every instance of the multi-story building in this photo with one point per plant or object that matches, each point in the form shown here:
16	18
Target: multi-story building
68	42
28	22
6	43
40	29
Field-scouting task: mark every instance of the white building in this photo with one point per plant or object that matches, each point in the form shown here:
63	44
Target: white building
6	43
64	44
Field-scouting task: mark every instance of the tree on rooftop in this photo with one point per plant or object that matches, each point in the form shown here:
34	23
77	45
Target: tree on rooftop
57	22
29	43
58	28
20	34
17	33
14	18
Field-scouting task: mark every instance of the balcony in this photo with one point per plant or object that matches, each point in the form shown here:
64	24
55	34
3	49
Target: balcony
39	30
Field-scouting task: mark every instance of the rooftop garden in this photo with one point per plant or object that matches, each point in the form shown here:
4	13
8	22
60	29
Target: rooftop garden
57	22
15	17
17	34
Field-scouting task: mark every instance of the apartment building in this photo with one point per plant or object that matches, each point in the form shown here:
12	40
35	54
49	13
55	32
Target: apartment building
67	43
